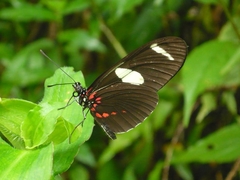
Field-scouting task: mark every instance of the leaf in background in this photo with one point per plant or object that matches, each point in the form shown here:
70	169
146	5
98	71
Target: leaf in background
231	72
228	33
203	70
209	103
119	8
85	156
137	35
212	1
75	40
6	52
76	6
27	12
27	65
156	171
123	141
28	165
221	146
80	39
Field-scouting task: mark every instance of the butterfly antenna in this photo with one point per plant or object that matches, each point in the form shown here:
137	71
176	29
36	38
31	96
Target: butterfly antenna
57	65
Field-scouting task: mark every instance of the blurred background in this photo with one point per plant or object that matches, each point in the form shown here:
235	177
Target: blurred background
91	36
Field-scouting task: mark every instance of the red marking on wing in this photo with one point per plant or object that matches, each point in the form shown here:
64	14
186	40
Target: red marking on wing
98	115
92	96
113	113
105	115
98	99
92	109
88	90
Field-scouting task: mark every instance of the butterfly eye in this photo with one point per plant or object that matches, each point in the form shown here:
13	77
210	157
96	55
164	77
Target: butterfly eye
75	94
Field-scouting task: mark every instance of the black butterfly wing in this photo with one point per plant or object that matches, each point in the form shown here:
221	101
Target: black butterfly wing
155	67
120	107
125	95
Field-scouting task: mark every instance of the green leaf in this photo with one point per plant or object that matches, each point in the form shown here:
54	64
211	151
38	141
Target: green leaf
76	39
184	171
76	6
211	1
27	12
221	146
28	65
231	72
109	171
62	131
21	164
119	8
86	156
208	104
12	114
64	154
203	70
228	32
156	171
38	125
6	51
129	174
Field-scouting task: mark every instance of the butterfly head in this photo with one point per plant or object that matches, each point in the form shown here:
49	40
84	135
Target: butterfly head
80	95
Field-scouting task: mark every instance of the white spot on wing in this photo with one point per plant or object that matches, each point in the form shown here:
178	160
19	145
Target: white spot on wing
129	76
160	50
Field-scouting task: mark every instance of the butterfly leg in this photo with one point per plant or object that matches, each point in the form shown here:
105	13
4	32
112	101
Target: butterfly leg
81	123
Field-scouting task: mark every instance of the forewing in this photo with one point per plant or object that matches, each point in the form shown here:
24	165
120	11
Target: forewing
157	61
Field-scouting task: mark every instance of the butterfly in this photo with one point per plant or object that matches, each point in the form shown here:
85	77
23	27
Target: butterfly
126	94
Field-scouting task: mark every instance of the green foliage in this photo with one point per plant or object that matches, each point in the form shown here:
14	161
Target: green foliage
195	125
37	129
217	147
212	63
22	164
